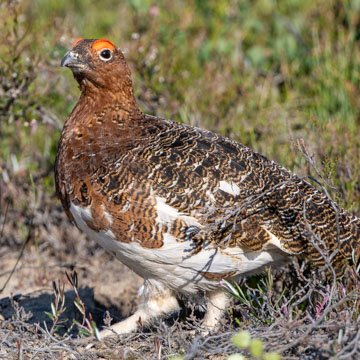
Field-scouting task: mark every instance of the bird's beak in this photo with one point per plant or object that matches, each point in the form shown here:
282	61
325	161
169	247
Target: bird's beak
68	59
73	61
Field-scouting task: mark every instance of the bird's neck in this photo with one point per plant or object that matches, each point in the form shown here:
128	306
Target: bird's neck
100	96
98	110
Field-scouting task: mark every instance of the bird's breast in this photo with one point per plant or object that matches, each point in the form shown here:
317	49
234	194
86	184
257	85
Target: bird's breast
175	263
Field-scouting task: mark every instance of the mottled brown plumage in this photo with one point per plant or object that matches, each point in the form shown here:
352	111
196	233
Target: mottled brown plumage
181	206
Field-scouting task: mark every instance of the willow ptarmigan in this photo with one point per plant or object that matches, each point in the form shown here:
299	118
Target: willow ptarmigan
181	206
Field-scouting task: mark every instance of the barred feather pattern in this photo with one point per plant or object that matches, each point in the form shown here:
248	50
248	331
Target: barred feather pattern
148	181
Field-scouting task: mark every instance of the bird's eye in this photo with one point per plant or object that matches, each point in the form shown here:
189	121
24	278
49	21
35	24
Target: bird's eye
105	55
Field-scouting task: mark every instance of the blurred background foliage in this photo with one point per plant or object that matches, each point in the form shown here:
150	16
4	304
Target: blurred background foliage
264	72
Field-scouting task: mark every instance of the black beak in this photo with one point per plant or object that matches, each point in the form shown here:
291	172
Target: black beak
73	61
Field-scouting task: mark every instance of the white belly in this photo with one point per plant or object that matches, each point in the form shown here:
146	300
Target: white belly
173	265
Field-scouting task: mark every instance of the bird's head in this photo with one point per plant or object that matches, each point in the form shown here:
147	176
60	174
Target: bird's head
98	65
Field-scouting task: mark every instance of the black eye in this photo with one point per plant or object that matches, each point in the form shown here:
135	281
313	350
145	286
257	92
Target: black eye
105	54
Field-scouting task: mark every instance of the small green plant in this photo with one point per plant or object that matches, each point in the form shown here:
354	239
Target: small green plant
262	302
57	307
87	326
242	340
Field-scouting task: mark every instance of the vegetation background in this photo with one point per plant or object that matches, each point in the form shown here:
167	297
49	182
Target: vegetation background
275	75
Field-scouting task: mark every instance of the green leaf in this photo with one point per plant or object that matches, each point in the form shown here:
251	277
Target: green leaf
51	316
63	301
79	306
97	333
272	356
236	357
242	339
53	310
84	332
256	348
95	330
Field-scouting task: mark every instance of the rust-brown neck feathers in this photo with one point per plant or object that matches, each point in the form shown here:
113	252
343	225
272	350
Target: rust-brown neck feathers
105	117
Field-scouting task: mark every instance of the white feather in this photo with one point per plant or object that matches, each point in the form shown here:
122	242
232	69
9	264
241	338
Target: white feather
173	264
166	214
230	188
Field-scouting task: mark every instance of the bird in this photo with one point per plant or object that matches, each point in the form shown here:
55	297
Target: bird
181	206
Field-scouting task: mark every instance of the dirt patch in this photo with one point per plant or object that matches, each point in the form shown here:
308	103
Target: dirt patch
105	284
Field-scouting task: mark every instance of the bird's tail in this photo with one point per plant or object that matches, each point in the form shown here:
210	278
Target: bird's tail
341	247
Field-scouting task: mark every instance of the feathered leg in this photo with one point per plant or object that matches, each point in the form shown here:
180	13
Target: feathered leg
158	301
217	302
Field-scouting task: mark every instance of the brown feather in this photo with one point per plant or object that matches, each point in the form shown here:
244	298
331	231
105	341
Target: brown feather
114	159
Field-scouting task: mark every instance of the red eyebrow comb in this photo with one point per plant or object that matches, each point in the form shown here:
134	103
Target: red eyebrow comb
103	43
76	41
